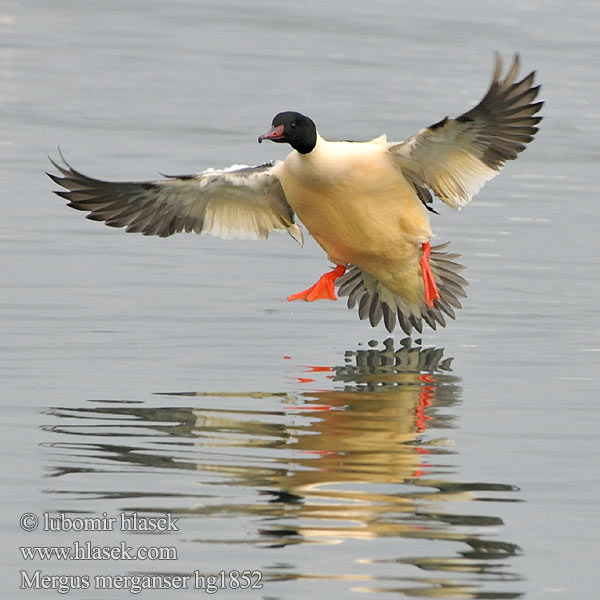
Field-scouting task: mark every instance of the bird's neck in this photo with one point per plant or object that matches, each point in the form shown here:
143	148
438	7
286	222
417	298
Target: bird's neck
316	148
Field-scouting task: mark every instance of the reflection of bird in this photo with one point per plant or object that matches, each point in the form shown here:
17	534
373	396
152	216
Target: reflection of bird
338	465
331	450
365	203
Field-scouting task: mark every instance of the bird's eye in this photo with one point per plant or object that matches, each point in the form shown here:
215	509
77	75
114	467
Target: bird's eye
293	124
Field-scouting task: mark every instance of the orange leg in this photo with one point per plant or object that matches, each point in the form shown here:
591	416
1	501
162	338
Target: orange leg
431	290
324	289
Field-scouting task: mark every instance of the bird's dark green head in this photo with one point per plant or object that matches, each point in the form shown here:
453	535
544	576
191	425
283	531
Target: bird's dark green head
292	128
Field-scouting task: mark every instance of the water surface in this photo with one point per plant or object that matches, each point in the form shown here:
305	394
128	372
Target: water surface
170	376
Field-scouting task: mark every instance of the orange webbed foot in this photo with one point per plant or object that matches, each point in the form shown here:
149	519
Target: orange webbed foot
431	289
324	289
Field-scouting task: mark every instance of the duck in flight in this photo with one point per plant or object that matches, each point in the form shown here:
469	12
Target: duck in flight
367	204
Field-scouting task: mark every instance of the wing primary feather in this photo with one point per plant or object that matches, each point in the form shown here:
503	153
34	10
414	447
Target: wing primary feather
239	201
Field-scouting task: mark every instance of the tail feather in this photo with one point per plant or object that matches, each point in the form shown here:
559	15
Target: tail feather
376	302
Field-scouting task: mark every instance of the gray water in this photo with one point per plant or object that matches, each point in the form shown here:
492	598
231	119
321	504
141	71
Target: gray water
171	377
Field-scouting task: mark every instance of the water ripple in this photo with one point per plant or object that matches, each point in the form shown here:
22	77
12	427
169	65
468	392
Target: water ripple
366	453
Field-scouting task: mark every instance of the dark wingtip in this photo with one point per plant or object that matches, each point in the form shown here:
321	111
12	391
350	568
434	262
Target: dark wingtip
54	178
63	173
59	167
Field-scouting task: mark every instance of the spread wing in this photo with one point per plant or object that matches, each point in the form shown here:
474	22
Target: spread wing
455	157
237	202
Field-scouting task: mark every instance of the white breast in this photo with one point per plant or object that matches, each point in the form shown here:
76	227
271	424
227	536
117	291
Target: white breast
355	201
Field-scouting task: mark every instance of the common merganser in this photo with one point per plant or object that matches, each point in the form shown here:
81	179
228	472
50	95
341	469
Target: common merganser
367	204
